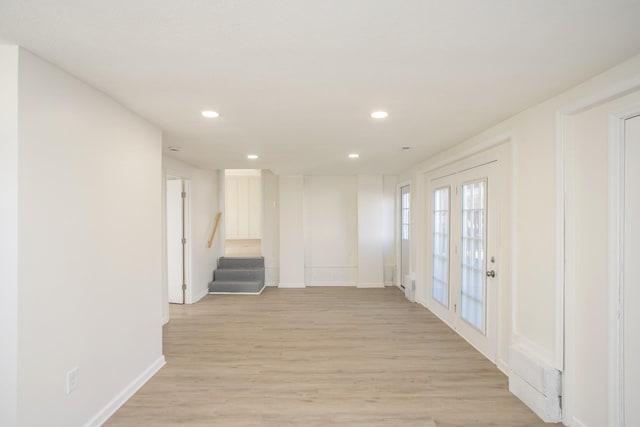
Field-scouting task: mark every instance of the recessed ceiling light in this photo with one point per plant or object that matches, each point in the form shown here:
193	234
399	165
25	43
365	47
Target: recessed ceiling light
210	114
252	156
406	147
354	156
379	114
174	148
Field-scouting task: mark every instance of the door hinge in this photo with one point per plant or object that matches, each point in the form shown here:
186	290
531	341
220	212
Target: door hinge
184	286
184	194
455	308
184	241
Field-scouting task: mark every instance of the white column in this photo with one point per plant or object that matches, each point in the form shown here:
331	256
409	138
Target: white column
291	232
370	231
8	234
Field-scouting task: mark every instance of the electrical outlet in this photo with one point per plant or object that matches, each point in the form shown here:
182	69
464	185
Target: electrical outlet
72	380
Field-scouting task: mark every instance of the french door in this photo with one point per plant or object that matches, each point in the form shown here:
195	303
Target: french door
464	275
405	233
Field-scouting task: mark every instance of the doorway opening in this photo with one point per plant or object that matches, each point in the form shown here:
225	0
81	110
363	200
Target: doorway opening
243	213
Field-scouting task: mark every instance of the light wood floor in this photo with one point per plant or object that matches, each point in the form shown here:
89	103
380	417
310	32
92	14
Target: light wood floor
319	357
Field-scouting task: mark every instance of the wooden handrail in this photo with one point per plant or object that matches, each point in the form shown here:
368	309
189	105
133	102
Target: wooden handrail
215	228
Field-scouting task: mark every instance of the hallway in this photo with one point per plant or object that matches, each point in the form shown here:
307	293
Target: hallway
320	356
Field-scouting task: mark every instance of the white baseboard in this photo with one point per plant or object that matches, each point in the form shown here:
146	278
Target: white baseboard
165	319
503	366
271	276
239	293
121	398
577	423
536	383
291	285
532	349
370	285
198	297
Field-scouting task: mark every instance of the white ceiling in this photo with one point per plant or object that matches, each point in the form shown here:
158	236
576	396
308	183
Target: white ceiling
295	80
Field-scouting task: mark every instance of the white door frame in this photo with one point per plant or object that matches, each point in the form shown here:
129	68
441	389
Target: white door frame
187	234
398	271
488	158
616	261
563	115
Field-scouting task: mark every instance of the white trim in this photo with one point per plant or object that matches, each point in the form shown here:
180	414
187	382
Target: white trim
616	216
503	366
121	398
536	383
532	350
201	295
292	285
473	150
560	242
562	116
165	319
370	285
616	252
239	293
577	423
397	280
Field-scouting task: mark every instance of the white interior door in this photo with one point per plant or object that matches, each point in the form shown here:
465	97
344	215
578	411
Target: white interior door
464	277
174	241
405	232
631	356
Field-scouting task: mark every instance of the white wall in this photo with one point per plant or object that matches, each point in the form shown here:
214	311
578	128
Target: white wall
587	204
389	225
8	234
370	210
536	274
243	205
337	230
271	227
292	241
203	207
331	230
89	248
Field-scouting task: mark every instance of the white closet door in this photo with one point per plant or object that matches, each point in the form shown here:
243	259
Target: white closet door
174	240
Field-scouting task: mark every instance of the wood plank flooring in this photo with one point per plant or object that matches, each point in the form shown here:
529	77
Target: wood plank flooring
319	357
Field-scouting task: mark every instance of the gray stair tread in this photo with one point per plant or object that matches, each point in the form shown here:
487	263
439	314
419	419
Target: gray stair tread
236	286
241	263
238	275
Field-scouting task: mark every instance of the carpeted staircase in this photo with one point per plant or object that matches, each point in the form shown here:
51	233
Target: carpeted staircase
238	275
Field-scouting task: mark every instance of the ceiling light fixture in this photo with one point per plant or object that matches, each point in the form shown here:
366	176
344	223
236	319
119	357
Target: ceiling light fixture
406	147
252	156
210	114
379	114
354	156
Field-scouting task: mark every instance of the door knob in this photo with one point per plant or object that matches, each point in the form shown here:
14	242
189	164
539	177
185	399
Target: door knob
491	273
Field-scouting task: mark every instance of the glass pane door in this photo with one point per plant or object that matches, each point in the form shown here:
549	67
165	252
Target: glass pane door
440	261
463	228
405	229
473	242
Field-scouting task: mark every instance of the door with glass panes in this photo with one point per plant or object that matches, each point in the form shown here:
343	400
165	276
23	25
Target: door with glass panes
464	275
